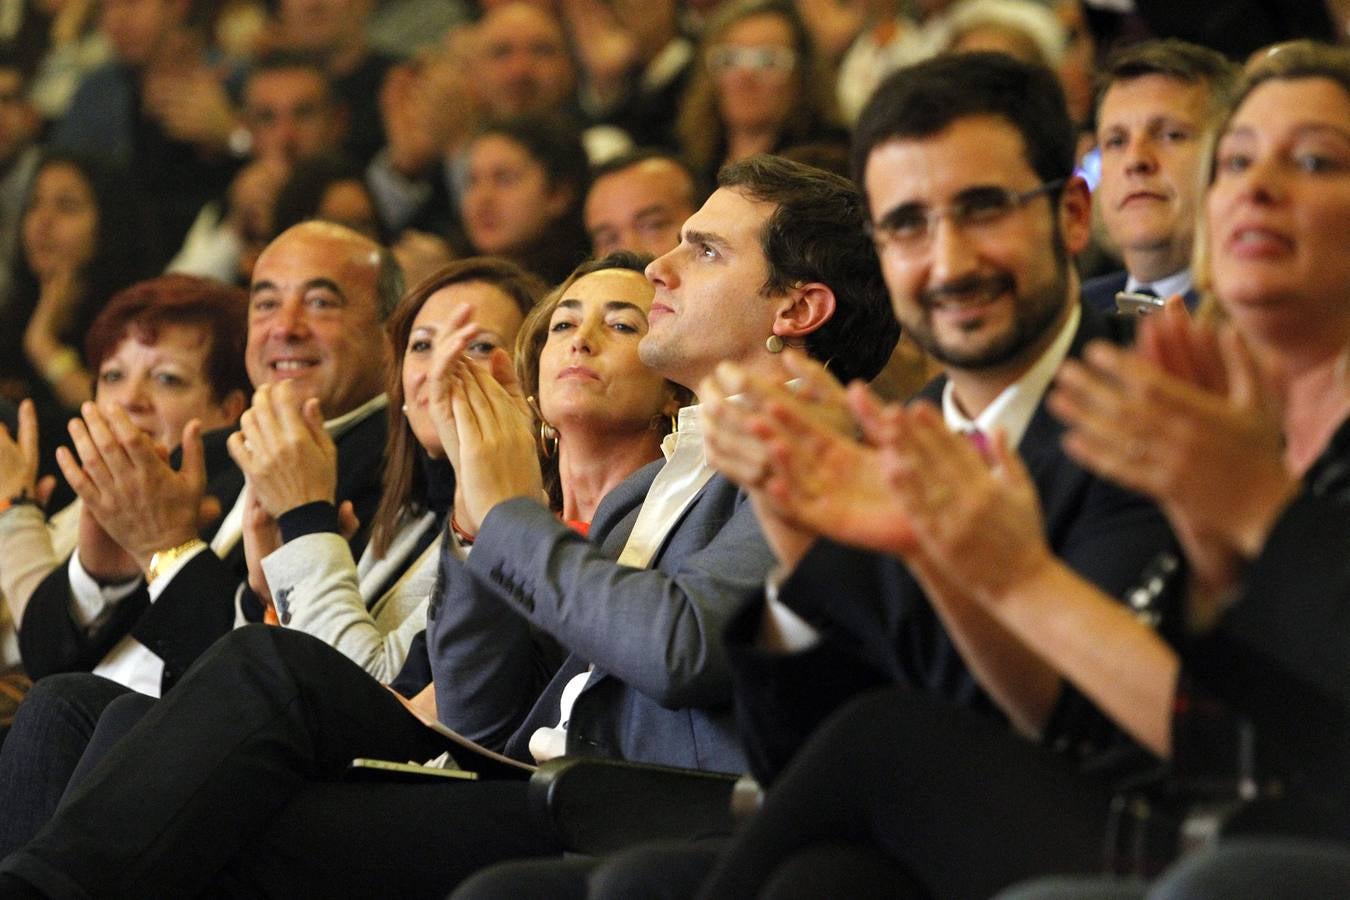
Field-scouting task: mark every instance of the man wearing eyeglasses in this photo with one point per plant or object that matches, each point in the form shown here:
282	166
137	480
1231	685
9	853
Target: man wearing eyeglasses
966	163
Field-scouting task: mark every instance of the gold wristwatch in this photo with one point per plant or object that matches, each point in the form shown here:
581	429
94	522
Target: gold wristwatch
166	558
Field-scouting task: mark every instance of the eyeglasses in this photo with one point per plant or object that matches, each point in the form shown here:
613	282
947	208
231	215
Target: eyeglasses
778	61
910	228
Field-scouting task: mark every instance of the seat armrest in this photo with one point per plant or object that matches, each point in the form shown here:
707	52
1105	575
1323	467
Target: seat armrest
601	805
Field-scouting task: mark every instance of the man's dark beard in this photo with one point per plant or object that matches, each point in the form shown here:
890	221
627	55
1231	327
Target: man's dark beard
1033	316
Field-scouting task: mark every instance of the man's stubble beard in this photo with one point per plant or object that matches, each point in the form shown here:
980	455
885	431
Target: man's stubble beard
1033	316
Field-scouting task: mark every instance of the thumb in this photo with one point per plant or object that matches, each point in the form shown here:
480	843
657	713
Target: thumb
1007	460
314	418
1246	386
42	491
208	510
193	465
504	372
348	523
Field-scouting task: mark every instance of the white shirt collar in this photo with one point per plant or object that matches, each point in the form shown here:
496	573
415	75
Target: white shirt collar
687	431
342	424
1013	408
1176	283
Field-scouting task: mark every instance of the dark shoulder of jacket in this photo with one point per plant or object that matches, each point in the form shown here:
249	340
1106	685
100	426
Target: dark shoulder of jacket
1112	326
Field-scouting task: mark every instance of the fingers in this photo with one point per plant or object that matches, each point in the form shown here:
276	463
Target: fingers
348	523
193	465
814	381
42	492
239	451
80	483
313	419
504	372
208	511
1246	386
28	436
99	451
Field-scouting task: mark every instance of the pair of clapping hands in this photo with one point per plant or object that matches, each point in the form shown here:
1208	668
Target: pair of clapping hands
822	460
1182	418
483	423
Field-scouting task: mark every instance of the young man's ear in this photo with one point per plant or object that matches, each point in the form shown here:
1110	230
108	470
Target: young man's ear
805	309
1075	215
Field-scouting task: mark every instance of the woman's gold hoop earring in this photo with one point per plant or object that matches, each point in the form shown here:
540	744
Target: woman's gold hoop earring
548	439
548	435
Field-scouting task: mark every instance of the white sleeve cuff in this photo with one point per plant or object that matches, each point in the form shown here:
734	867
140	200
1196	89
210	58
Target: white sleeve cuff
89	599
782	630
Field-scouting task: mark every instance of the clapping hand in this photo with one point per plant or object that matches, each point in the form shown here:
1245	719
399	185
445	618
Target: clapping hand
1185	421
127	484
19	460
498	459
791	447
284	451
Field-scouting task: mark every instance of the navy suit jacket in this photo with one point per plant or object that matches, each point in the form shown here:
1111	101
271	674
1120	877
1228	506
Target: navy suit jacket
1100	292
197	606
878	627
660	690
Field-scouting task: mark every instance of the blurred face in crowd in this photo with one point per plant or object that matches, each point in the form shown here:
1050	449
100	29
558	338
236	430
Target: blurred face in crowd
1150	131
349	203
639	208
1279	210
709	304
314	317
508	202
163	385
323	26
523	64
138	28
754	66
18	120
60	224
590	374
988	291
291	114
498	319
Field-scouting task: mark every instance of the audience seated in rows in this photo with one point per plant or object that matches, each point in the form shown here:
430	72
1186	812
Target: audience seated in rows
80	243
650	622
166	351
1224	665
967	167
856	574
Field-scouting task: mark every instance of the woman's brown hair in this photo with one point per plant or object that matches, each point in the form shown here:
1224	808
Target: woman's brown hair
404	482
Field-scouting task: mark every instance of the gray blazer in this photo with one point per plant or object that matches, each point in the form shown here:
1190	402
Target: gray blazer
660	690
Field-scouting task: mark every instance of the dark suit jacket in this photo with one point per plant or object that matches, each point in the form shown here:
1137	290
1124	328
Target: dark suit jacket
877	626
1100	292
660	691
197	606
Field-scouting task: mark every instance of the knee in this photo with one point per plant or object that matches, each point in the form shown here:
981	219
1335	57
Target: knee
249	647
69	696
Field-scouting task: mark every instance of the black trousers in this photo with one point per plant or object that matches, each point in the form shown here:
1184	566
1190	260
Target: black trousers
50	733
899	795
232	785
958	806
